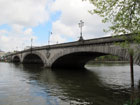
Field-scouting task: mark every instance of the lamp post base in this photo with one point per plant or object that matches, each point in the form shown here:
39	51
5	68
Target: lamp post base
81	38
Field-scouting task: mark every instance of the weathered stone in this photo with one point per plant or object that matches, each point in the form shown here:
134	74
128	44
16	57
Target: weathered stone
74	54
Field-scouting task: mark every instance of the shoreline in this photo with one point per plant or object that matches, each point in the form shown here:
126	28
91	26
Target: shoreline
93	62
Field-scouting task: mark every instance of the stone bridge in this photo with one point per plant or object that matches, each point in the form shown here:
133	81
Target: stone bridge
75	54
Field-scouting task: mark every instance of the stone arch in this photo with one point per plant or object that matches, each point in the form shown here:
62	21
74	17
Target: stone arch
33	57
86	54
16	59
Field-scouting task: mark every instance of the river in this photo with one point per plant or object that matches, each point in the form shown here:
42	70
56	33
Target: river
99	84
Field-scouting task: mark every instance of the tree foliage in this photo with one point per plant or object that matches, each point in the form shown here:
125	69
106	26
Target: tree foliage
109	58
135	102
124	15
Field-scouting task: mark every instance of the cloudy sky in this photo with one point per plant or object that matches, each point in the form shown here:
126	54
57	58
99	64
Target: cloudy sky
21	20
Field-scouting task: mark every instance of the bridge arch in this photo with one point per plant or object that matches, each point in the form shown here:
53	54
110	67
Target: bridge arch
75	60
33	58
77	57
16	59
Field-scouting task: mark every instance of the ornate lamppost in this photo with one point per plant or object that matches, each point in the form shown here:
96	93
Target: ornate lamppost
50	33
81	24
31	42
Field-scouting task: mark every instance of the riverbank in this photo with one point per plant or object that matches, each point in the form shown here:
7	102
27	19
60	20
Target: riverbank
108	62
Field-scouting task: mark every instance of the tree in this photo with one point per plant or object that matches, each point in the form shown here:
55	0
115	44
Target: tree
124	16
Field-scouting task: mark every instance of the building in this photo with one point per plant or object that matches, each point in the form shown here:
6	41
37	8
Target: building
2	53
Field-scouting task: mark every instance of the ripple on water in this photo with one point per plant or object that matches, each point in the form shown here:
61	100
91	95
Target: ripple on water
98	85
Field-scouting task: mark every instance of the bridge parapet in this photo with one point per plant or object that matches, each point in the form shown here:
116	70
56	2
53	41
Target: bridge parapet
96	41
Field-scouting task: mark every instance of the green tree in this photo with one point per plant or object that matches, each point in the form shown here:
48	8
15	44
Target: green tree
124	16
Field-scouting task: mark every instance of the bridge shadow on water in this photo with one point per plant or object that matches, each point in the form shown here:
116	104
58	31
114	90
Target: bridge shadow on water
75	86
33	66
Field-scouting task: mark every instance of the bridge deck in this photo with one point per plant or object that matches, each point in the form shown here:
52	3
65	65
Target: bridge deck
103	40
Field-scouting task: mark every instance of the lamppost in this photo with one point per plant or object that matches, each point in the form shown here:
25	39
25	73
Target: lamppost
16	49
81	24
50	33
31	42
22	46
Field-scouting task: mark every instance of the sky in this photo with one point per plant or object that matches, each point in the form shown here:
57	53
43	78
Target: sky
23	20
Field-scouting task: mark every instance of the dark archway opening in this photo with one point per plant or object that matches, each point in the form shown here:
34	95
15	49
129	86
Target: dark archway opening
33	59
16	59
75	60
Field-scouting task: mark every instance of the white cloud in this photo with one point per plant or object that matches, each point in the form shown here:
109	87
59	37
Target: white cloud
21	16
72	11
11	40
23	12
55	39
2	32
28	31
58	27
4	38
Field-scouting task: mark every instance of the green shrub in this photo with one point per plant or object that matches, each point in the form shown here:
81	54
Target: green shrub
135	102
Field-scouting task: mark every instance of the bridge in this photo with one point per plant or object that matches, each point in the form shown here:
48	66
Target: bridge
75	54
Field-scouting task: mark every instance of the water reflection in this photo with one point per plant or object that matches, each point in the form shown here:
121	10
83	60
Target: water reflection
33	85
78	86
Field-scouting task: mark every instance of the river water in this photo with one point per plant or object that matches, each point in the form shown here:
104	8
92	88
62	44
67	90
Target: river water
100	84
